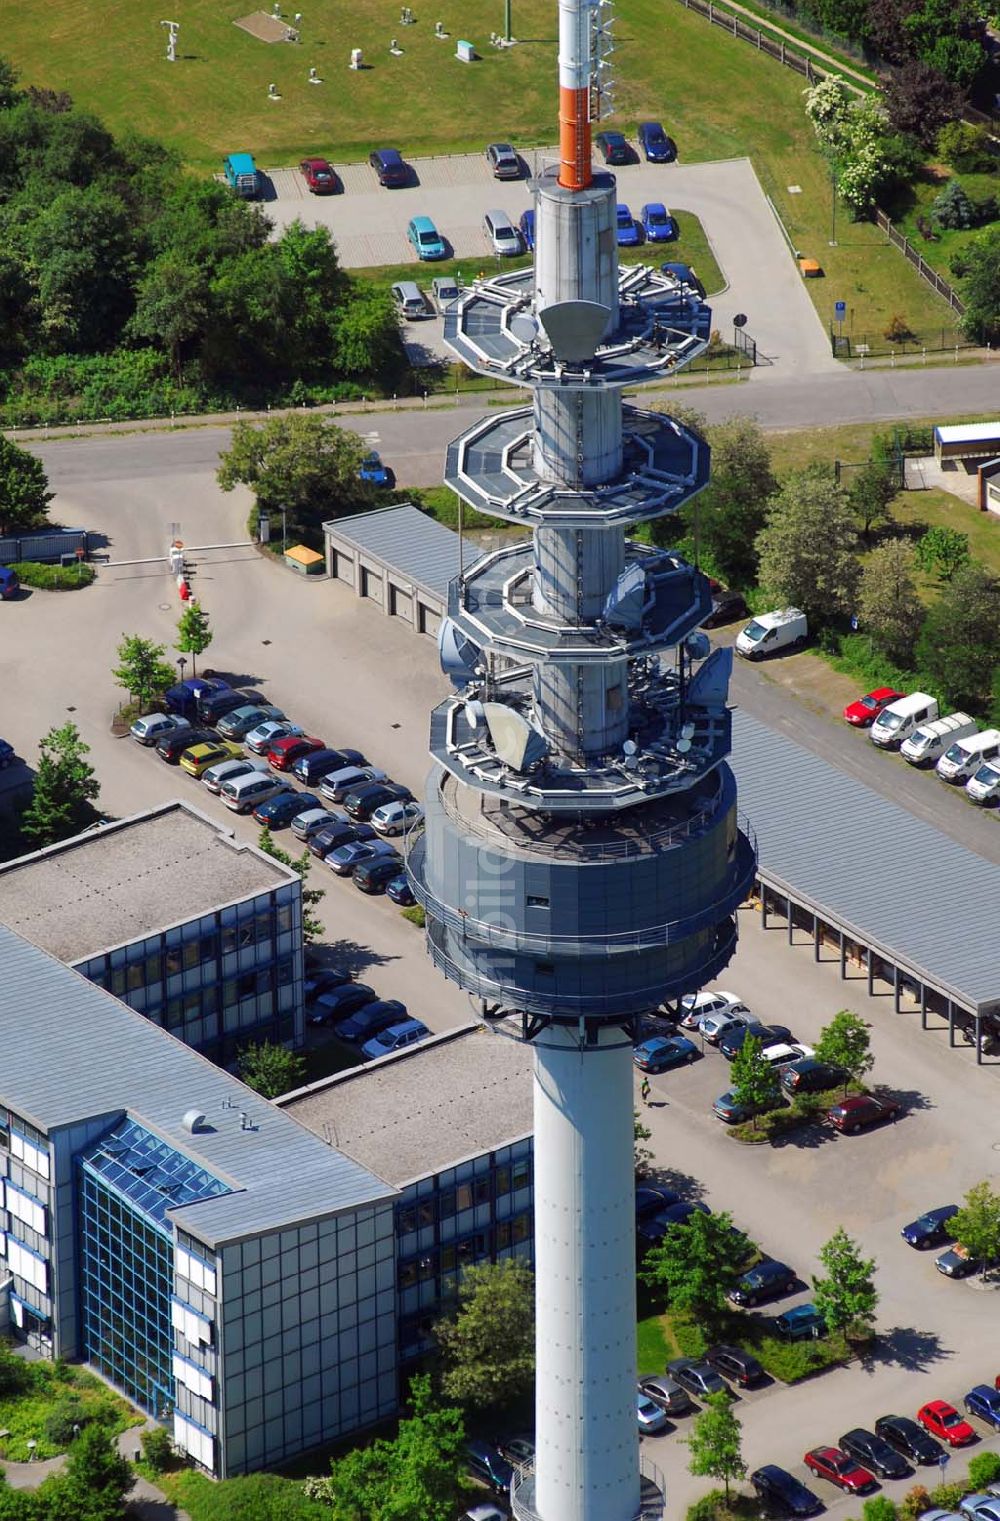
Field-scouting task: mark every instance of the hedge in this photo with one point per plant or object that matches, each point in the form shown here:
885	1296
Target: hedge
53	577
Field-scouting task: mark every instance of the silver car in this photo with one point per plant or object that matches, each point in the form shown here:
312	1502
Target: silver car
502	236
338	784
226	771
153	727
667	1393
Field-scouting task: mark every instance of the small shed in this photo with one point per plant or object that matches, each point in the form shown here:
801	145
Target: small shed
988	476
305	561
964	441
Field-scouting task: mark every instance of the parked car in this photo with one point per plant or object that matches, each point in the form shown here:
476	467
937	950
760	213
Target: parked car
802	1323
343	832
657	223
984	1402
783	1053
861	1110
425	240
501	234
278	812
697	1376
956	1262
518	1450
694	1006
196	759
311	821
626	231
394	1038
901	718
727	606
338	1003
786	628
214	777
485	1464
396	817
337	784
342	859
767	1280
943	1420
686	275
928	743
316	764
445	289
171	746
183	698
732	1038
655	144
400	891
908	1438
10	583
241	721
146	731
863	711
728	1108
212	706
714	1026
965	757
485	1513
319	176
980	1507
286	751
526	227
613	148
875	1453
930	1228
323	979
783	1492
372	469
503	161
242	794
374	876
388	164
650	1417
739	1367
409	299
363	801
666	1392
841	1469
7	754
656	1226
983	787
808	1075
662	1052
369	1019
261	739
650	1199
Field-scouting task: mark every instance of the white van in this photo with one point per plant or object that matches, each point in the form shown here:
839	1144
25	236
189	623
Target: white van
964	758
244	793
769	632
899	720
984	787
928	743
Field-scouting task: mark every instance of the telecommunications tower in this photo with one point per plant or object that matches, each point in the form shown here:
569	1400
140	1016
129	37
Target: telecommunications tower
581	860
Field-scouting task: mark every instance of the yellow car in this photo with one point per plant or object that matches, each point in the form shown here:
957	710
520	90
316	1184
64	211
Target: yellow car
198	759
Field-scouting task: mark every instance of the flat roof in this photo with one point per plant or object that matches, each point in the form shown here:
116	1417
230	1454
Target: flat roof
437	1104
405	539
130	879
967	433
892	881
73	1052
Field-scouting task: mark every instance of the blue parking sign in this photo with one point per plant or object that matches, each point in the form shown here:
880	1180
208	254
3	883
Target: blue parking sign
840	308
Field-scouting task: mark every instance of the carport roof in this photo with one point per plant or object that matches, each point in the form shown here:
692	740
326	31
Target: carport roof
916	896
407	541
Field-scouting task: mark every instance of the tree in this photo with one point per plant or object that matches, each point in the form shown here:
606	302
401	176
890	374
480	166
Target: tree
270	1069
65	787
920	100
942	550
193	633
967	149
488	1346
959	645
642	1154
808	547
95	1482
845	1042
888	605
696	1264
300	464
142	669
8	84
312	897
416	1477
872	489
979	286
952	208
716	1442
847	1297
24	497
976	1227
754	1081
731	511
171	306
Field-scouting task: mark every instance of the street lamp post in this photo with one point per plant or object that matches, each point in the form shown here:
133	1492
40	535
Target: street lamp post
833	208
284	534
181	663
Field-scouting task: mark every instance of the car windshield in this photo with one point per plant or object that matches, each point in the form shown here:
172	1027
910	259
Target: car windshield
870	702
655	134
447	292
427	237
656	215
890	720
957	755
951	1418
988	775
755	630
387	1038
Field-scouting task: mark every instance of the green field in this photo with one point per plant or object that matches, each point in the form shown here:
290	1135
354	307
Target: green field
718	97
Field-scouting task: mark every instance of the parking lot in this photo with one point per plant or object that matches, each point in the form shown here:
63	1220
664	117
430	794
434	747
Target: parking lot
368	224
355	678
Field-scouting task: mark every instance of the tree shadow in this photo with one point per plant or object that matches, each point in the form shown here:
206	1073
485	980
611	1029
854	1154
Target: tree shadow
911	1100
683	1184
904	1347
808	1137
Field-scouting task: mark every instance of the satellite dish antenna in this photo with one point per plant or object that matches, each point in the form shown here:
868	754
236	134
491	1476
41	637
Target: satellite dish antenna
524	327
475	713
630	747
575	328
697	645
684	746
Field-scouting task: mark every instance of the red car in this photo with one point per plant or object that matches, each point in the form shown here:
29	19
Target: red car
834	1464
285	752
943	1420
865	710
319	176
860	1110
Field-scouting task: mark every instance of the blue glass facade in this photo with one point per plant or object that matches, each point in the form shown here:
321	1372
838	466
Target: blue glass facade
220	980
480	1211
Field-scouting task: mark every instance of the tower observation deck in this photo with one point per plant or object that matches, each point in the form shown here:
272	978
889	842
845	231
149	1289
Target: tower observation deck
581	859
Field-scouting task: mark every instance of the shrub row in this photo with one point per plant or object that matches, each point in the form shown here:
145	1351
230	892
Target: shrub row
54	577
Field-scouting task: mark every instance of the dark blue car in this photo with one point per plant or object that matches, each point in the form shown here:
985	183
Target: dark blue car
278	811
7	754
655	144
784	1492
366	1022
930	1228
389	166
185	696
984	1402
400	891
527	226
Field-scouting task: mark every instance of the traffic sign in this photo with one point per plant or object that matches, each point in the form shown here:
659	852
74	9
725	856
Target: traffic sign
944	1460
840	308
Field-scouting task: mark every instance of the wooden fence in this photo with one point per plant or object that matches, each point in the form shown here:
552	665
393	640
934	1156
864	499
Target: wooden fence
920	264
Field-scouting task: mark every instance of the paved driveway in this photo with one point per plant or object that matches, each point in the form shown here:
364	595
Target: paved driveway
369	225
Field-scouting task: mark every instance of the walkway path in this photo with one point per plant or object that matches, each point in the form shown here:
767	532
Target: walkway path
145	1501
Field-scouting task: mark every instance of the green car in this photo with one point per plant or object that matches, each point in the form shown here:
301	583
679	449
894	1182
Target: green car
801	1324
425	239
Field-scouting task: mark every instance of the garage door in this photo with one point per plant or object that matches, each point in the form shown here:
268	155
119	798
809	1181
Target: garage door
400	603
370	585
428	621
343	566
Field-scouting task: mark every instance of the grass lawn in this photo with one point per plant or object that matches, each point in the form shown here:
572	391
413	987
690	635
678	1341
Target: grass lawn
920	510
264	1496
44	1387
717	95
942	248
652	1347
795	448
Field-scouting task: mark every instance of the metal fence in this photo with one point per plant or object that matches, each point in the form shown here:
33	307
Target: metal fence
774	47
920	264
